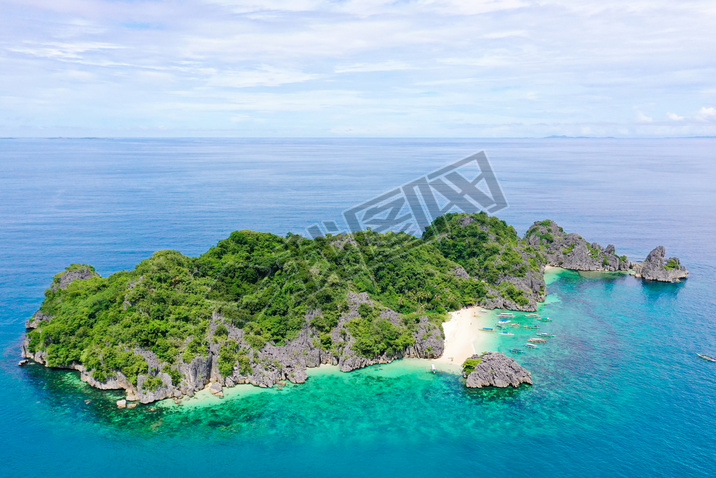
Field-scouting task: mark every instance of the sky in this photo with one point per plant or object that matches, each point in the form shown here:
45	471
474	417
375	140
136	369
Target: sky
370	68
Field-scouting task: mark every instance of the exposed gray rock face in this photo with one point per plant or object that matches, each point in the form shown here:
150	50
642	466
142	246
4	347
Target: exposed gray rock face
68	277
656	268
216	389
461	273
571	251
35	320
497	370
165	390
532	283
118	382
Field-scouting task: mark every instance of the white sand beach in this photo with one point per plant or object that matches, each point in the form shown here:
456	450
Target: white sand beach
463	336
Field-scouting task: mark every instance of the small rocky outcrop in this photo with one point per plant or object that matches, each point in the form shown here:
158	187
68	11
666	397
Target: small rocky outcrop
216	389
657	268
494	370
34	321
572	251
71	274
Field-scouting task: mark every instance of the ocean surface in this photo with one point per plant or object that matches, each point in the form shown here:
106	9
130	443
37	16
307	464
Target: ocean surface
619	391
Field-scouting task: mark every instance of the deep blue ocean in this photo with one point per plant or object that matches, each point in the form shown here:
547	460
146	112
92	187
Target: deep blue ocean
618	392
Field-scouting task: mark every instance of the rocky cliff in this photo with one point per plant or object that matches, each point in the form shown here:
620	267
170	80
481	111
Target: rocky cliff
572	251
657	268
261	367
493	369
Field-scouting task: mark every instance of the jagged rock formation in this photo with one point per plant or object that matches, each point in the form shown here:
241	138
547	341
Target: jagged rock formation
571	251
34	321
73	273
264	368
495	370
656	268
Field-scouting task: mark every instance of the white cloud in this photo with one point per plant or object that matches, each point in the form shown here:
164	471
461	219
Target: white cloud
264	76
457	67
706	114
642	118
371	67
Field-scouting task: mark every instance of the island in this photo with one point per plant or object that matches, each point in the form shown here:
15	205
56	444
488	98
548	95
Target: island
493	369
260	308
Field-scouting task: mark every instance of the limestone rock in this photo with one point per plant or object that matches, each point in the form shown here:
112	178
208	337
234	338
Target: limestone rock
572	251
35	320
497	370
216	389
121	403
657	268
63	280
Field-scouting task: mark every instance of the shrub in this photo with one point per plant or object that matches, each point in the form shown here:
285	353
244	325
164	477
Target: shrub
469	365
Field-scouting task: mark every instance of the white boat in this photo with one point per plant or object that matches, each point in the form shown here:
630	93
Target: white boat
532	346
433	368
506	333
707	357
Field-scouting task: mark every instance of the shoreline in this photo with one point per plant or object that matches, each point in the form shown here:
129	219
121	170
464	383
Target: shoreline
463	337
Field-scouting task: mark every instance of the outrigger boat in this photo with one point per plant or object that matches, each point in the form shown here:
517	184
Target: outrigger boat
532	327
532	346
545	319
515	324
487	329
537	341
506	314
543	334
504	321
532	315
516	351
707	357
434	370
506	333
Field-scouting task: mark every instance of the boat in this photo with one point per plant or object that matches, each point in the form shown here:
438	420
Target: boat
533	315
515	324
543	334
537	341
506	333
545	319
506	314
516	351
504	321
707	357
532	327
433	368
532	346
487	329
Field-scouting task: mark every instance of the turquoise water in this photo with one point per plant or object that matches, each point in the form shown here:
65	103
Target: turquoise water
618	391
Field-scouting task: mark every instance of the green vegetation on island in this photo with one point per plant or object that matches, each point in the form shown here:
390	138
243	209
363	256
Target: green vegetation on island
260	308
